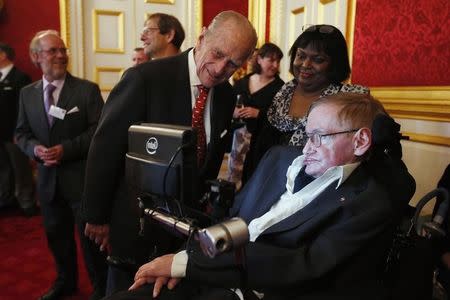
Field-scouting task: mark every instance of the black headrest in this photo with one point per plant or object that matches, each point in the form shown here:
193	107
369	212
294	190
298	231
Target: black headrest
386	137
385	161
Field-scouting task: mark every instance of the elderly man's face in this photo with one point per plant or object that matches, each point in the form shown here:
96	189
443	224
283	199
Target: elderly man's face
219	55
52	57
334	150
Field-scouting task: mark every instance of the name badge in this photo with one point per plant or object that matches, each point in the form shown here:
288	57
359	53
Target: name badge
57	112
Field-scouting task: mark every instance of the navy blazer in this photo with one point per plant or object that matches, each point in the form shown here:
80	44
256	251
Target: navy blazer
74	133
157	92
336	245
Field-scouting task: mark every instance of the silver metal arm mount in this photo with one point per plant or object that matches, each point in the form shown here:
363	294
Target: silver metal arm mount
230	234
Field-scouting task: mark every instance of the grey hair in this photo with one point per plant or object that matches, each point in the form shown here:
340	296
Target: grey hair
35	44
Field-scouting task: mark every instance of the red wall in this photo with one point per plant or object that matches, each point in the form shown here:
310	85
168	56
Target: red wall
212	7
402	43
20	20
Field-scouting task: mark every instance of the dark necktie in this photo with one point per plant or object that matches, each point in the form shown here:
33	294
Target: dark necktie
199	124
302	180
49	101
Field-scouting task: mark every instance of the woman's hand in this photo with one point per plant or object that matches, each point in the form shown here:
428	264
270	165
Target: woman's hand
248	112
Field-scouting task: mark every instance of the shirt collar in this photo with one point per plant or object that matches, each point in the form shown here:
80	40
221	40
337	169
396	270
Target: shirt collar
341	172
5	71
193	77
57	83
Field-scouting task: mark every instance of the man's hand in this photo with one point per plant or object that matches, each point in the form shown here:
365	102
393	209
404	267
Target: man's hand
40	151
50	156
158	271
99	234
54	154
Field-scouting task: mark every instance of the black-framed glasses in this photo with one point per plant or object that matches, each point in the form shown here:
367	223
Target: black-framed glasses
146	30
54	51
316	138
327	29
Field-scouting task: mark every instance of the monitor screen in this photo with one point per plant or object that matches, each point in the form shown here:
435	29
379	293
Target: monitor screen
161	164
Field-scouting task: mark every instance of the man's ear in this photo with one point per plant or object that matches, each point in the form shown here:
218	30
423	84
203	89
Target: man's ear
362	140
170	36
34	56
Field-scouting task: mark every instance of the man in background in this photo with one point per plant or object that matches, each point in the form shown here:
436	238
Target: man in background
162	36
57	118
16	181
187	89
139	56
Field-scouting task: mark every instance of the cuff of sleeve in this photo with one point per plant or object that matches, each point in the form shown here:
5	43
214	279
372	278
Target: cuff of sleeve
179	265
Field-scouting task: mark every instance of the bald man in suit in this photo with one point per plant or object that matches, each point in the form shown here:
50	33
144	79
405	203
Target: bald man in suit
161	91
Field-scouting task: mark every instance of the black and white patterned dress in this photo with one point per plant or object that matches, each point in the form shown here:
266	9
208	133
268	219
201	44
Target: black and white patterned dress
293	129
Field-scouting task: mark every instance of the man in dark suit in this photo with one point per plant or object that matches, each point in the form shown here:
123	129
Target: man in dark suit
57	118
320	223
161	91
15	170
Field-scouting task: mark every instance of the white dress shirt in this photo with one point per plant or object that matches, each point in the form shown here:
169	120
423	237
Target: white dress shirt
288	204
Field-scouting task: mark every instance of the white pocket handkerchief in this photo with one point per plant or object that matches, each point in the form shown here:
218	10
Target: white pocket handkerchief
223	133
73	110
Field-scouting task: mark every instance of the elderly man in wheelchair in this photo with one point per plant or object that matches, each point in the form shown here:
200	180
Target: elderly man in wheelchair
320	220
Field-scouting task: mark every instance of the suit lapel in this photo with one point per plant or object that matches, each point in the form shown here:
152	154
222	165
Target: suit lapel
39	112
325	205
66	93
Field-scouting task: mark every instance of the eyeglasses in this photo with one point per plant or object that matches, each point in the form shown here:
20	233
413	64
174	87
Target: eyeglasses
316	138
146	30
54	51
327	29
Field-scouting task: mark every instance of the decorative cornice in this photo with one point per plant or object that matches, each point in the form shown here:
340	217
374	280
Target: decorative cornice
429	139
431	103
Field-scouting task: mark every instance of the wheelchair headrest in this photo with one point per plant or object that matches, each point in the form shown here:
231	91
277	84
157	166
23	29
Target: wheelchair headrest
385	161
386	137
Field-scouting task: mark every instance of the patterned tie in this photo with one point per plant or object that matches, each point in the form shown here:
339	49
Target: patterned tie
49	101
199	124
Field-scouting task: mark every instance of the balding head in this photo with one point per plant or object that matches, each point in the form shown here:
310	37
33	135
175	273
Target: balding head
223	47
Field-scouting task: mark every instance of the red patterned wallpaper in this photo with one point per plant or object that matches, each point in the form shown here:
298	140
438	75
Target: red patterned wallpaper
212	7
20	20
402	43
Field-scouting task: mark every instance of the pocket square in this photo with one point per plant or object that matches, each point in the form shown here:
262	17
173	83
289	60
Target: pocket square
73	110
223	133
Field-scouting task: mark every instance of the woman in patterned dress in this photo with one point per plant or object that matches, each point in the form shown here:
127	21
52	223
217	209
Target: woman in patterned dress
319	62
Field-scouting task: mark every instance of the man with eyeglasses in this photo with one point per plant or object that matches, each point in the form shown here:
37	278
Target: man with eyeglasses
57	119
162	35
186	89
320	222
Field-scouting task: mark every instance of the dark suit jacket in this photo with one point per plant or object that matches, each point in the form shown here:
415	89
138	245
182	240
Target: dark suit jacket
157	92
9	102
74	133
335	246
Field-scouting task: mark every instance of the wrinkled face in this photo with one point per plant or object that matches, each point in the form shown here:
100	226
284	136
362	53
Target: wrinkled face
139	57
52	57
153	41
335	150
270	65
217	56
311	69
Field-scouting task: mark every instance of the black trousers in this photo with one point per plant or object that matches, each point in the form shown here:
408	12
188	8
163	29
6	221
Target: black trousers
60	218
23	177
6	178
183	291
